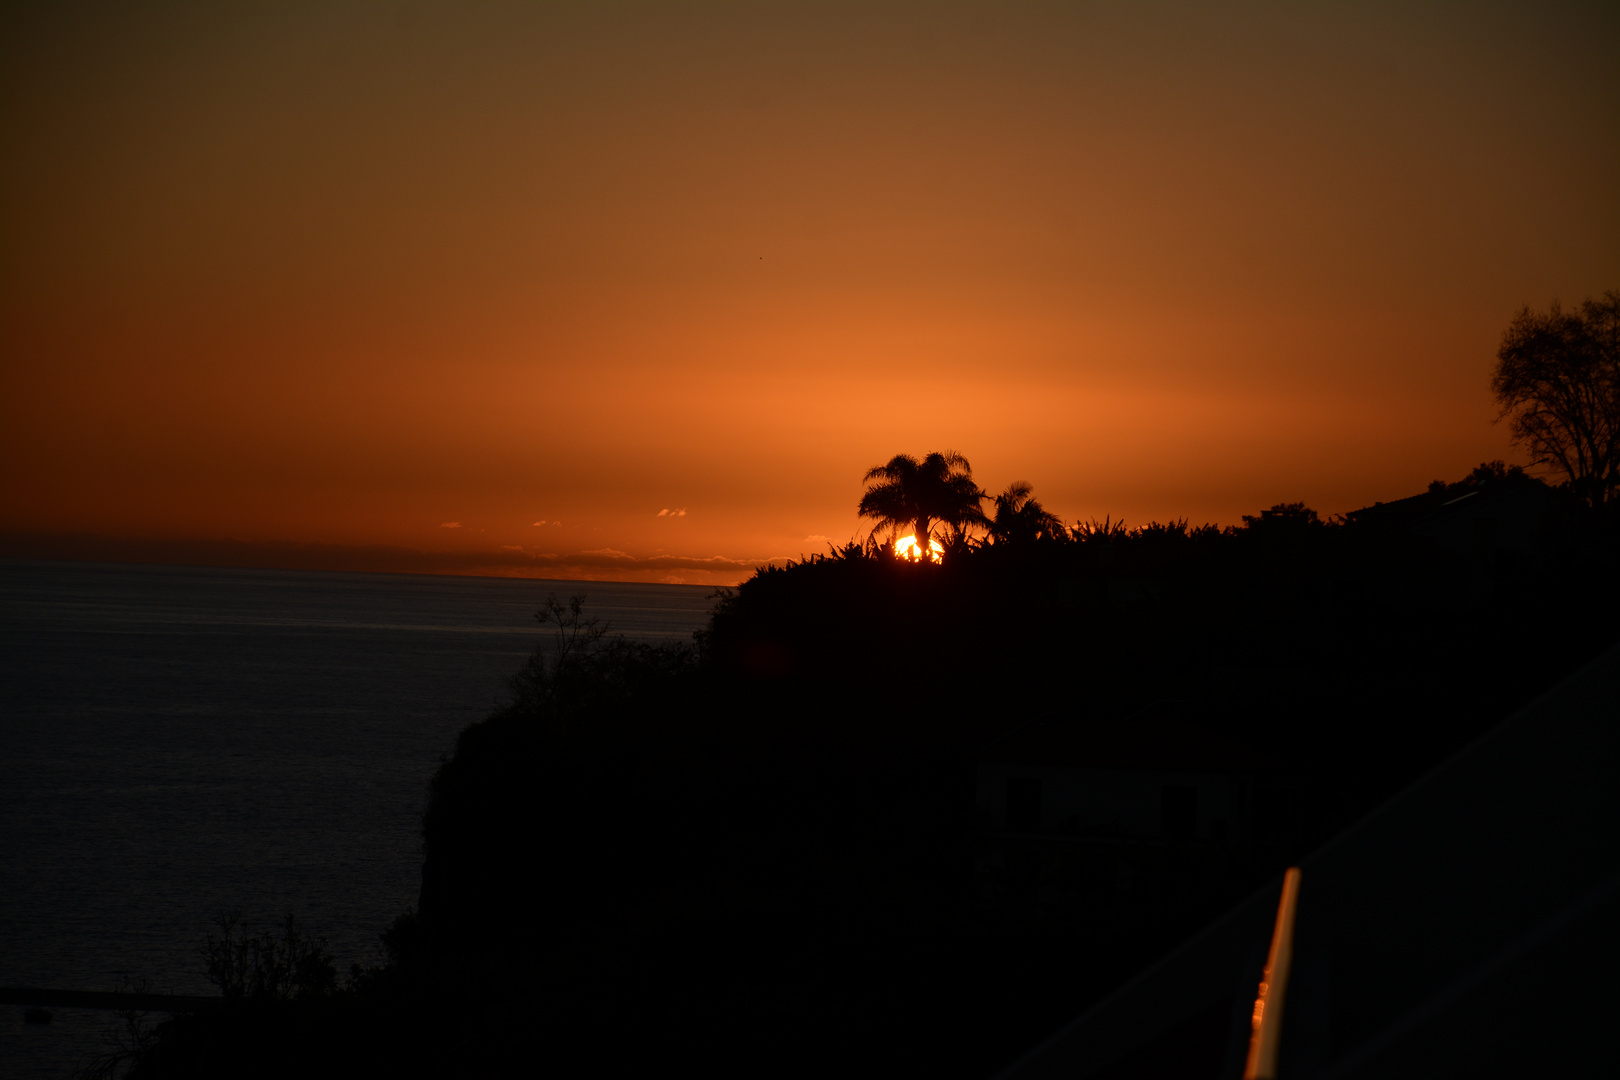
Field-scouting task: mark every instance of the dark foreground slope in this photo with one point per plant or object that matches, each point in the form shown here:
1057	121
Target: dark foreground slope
752	857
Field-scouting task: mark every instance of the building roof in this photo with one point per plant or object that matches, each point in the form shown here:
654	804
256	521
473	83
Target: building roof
1522	497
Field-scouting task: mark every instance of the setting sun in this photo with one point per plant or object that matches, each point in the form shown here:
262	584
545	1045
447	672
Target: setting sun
907	548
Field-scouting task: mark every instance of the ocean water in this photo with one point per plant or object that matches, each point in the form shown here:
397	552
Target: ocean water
180	741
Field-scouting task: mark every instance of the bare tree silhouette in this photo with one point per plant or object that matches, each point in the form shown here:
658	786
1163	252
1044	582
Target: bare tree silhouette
906	492
1557	379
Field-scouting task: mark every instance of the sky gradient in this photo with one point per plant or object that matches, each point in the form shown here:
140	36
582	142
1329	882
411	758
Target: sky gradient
356	285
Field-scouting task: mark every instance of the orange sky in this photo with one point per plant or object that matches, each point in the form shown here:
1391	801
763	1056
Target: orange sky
342	275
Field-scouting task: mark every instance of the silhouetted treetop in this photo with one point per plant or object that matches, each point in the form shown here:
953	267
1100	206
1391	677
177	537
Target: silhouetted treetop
1019	517
905	492
1295	515
1557	380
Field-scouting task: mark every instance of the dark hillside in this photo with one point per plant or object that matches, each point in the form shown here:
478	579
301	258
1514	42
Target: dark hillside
771	852
757	855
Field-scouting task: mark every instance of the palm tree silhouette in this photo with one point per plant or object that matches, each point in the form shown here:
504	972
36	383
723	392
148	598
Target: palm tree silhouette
907	492
1020	518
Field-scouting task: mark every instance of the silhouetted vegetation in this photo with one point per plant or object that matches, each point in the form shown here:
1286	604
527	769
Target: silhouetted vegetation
907	493
134	1041
1558	381
267	966
1019	517
751	855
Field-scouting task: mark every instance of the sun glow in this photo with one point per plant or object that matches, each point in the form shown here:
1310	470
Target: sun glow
907	548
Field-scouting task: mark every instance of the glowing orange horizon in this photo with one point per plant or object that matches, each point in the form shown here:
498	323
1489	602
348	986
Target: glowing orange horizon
671	291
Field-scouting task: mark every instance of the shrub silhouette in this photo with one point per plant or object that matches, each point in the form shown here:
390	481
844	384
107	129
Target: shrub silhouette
267	966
